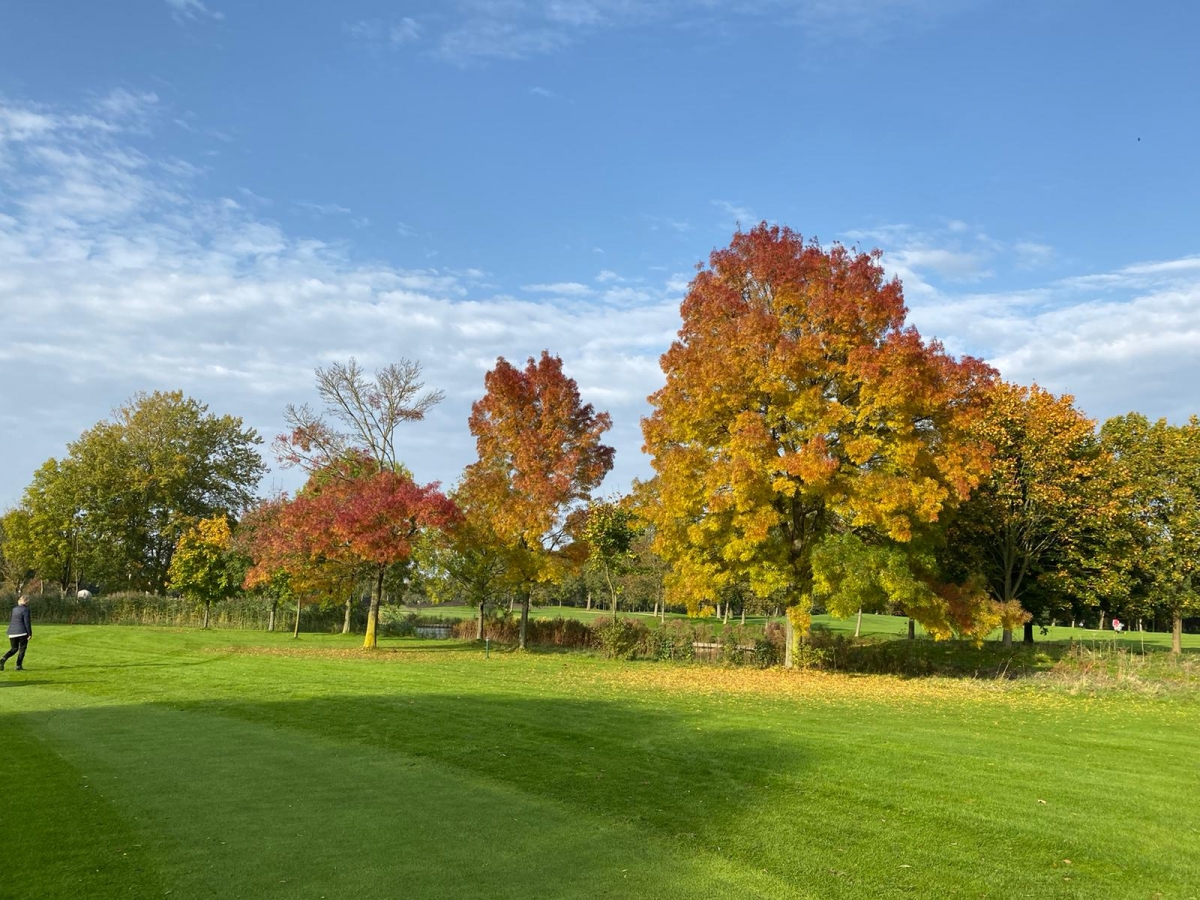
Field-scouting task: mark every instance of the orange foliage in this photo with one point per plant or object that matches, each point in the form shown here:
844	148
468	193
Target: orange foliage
798	403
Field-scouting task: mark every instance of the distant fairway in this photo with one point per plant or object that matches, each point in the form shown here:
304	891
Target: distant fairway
155	762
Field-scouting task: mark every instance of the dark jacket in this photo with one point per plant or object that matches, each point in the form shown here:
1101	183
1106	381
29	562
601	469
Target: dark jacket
20	624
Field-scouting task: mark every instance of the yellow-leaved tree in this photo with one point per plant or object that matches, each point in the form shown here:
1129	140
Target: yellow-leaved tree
1036	527
202	568
798	405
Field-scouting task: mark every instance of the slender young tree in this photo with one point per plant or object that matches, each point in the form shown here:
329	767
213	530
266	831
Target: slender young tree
539	456
610	533
468	557
368	521
202	567
361	418
354	442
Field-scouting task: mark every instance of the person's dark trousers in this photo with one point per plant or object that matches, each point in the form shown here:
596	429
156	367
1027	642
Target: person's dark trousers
17	649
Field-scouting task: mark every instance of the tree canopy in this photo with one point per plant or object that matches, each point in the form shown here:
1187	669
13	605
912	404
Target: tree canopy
798	404
112	511
539	454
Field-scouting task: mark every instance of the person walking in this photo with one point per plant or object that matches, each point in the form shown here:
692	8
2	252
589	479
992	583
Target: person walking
20	630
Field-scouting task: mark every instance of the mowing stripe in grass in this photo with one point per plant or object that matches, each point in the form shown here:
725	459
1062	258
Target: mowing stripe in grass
239	810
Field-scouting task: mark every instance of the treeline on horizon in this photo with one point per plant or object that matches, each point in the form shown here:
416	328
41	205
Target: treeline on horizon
808	447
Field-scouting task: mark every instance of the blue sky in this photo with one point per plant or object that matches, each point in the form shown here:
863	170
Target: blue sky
220	196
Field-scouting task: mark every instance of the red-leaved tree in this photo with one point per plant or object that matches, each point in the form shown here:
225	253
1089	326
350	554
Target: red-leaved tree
368	519
540	455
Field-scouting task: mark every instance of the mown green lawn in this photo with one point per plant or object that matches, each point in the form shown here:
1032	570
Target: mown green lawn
144	762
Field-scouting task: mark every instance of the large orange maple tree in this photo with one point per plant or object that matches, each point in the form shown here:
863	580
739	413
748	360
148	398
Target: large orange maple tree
540	455
798	405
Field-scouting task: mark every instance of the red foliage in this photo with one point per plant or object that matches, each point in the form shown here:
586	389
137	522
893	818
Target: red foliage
539	448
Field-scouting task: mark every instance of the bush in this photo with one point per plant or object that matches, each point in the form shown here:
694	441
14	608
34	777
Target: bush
671	641
621	639
250	612
506	629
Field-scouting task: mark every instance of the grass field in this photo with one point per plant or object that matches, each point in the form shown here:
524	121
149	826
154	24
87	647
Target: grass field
141	762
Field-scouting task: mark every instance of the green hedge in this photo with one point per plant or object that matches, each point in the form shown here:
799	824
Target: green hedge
632	639
247	612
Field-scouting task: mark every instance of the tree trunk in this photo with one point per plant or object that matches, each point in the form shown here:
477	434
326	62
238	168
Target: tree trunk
479	630
589	596
271	615
370	642
346	619
1177	632
1028	638
912	630
296	629
743	615
524	619
207	604
1006	637
1102	621
510	604
656	609
789	641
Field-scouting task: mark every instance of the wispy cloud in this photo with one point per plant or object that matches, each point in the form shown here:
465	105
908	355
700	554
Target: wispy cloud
324	209
380	33
735	214
115	277
190	10
483	30
954	253
560	289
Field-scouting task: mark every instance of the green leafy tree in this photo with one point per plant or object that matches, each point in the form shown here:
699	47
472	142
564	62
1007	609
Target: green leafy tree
610	531
468	557
1033	528
1159	467
17	552
49	528
114	509
203	567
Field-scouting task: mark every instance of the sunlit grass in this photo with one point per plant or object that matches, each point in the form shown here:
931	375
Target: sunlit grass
239	764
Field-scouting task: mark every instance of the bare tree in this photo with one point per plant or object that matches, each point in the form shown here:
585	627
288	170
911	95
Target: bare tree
361	415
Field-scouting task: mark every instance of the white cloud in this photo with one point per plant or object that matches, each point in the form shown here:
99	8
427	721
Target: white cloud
184	10
736	214
1127	339
561	289
115	278
385	34
485	30
324	209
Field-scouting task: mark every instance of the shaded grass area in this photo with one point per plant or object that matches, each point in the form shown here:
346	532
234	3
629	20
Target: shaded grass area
427	771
